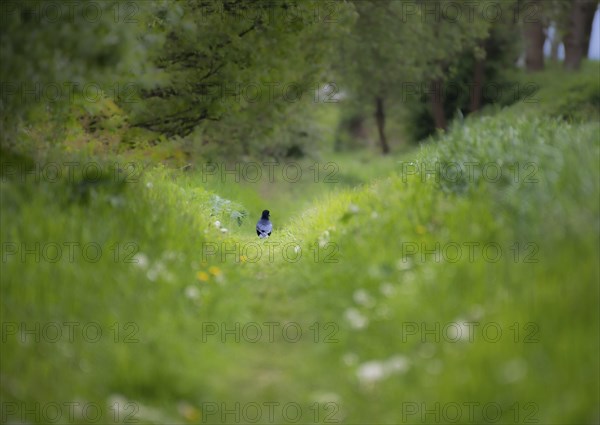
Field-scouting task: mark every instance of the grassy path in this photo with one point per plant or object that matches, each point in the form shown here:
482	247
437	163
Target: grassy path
469	291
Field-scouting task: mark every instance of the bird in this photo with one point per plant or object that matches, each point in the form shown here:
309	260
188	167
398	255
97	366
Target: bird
264	225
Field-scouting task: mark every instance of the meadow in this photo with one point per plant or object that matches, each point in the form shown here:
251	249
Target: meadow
453	282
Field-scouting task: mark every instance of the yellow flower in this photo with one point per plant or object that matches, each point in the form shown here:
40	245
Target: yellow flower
421	229
243	258
192	415
189	412
202	276
214	270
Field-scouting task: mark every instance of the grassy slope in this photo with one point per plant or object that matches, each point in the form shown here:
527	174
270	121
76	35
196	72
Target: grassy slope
175	367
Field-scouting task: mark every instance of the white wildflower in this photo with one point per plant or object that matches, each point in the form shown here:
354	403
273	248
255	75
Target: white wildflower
396	364
350	359
362	297
387	289
356	319
324	239
458	331
192	292
370	372
375	370
140	260
404	264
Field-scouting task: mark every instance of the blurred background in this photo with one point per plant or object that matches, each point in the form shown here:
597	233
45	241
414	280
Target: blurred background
432	172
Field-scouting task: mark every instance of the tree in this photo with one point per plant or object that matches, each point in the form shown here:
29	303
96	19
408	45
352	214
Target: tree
54	53
397	47
230	69
533	34
239	75
499	50
578	35
372	50
444	40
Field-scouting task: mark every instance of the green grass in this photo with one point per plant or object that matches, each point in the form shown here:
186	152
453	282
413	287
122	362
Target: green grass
555	93
367	365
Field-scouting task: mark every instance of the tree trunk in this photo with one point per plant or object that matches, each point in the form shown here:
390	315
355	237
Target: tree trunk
554	47
437	105
578	37
478	82
380	119
590	13
533	31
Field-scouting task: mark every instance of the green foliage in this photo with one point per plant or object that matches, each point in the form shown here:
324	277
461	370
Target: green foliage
500	50
224	208
234	71
374	289
389	70
53	53
557	12
560	94
528	182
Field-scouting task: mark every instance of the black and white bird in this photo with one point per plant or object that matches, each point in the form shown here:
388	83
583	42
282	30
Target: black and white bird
264	225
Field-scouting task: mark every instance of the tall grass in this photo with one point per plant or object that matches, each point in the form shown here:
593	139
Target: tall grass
395	323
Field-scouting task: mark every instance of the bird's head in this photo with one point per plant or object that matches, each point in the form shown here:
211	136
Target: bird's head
265	214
